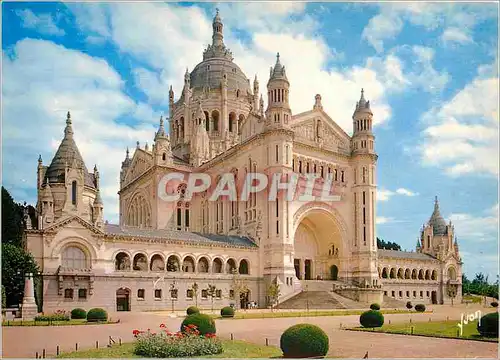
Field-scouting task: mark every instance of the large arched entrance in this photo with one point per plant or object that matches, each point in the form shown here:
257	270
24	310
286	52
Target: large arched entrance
318	245
123	299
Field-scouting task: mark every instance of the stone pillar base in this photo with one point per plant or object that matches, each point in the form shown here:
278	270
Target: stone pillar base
29	311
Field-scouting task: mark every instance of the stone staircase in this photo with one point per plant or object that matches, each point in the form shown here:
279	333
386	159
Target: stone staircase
391	303
318	294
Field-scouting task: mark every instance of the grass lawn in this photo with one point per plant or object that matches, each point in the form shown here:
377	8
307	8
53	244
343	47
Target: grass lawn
434	329
312	313
475	299
54	323
232	349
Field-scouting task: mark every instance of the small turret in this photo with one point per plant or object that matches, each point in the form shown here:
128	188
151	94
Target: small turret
278	113
256	95
363	140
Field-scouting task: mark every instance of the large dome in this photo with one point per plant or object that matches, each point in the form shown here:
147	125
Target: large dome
210	72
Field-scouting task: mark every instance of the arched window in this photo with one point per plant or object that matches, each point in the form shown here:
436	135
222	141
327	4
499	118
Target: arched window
217	266
73	192
215	120
140	262
188	264
207	121
203	265
157	263
230	266
164	156
243	269
74	258
173	263
452	274
122	261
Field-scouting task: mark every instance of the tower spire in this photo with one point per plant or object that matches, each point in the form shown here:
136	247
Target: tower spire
68	131
217	35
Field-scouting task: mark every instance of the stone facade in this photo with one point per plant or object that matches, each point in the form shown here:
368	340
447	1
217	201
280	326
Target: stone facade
219	126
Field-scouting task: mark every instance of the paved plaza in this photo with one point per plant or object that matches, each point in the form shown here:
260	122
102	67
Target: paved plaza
343	343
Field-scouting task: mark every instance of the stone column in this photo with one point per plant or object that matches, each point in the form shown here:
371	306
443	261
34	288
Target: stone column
302	269
29	308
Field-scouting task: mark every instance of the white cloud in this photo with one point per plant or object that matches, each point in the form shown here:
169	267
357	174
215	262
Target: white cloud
455	35
461	135
393	17
477	228
385	195
33	116
380	220
406	192
42	23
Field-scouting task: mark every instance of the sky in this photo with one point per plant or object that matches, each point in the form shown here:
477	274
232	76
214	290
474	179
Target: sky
430	71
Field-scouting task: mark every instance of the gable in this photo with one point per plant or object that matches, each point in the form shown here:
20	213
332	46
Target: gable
72	222
331	135
141	162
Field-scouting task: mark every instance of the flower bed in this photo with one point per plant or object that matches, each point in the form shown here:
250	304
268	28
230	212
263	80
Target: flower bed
163	344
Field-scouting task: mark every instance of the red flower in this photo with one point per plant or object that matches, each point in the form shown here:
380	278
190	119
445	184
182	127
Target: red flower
136	332
162	326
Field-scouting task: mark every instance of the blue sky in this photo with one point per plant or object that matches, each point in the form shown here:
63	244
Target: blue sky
430	71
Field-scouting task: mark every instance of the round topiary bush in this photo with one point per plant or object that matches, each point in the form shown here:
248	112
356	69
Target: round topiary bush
489	325
494	304
227	312
304	340
78	313
420	307
192	310
375	306
409	305
204	323
371	319
97	314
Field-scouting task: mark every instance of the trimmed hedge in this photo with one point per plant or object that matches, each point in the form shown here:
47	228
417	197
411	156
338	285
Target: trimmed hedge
227	312
420	307
78	313
192	310
375	306
494	304
409	305
97	314
371	319
303	341
204	323
52	317
489	325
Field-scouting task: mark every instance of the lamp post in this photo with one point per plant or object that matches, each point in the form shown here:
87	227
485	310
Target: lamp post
307	298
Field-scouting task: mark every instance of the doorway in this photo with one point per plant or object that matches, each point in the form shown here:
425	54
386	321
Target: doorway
434	297
296	264
308	270
334	272
123	300
244	299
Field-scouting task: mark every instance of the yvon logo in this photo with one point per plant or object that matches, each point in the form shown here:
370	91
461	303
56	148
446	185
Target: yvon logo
464	320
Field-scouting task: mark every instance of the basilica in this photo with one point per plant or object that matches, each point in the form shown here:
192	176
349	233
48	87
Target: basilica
164	255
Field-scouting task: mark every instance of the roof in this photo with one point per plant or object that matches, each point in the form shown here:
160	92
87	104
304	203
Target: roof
437	221
68	155
242	241
404	255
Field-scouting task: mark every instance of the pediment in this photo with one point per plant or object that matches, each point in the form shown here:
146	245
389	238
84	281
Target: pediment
141	162
329	134
73	221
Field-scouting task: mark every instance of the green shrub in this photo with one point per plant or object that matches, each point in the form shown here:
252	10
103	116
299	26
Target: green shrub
371	319
167	345
78	314
204	323
192	310
57	316
375	306
420	307
97	314
409	305
304	340
489	325
494	304
227	312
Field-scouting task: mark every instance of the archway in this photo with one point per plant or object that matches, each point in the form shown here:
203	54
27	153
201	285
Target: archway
434	297
318	244
123	299
334	272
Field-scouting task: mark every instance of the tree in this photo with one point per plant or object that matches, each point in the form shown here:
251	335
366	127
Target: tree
16	262
211	291
273	293
195	288
238	286
4	298
12	220
381	244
